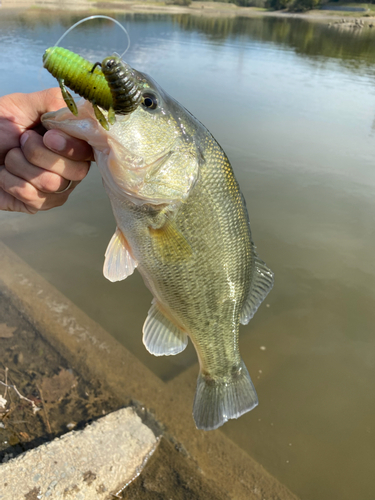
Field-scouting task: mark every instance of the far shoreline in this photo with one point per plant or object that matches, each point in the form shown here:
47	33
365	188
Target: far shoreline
200	8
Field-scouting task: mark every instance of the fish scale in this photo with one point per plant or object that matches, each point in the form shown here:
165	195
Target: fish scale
182	222
206	290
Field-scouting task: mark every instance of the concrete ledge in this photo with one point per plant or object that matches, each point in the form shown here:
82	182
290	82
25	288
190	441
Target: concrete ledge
86	465
91	350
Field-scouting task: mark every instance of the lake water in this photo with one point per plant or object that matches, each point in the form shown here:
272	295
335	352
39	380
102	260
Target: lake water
293	104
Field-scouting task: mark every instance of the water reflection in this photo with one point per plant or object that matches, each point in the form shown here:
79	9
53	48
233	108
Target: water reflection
350	47
313	39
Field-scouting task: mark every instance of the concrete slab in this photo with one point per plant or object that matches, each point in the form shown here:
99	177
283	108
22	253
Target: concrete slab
90	464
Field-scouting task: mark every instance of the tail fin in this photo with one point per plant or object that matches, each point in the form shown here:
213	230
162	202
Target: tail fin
216	401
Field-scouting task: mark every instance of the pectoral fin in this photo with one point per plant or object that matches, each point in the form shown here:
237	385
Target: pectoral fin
160	336
118	263
172	176
170	243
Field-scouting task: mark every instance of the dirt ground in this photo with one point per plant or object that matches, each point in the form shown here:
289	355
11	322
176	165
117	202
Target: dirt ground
43	397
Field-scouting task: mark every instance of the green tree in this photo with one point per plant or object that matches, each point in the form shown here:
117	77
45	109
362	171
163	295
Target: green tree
279	4
183	3
304	5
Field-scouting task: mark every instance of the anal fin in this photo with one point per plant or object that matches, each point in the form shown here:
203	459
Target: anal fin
160	336
118	263
261	284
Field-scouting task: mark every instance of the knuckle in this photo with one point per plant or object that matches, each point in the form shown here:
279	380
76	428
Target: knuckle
54	201
31	210
81	169
5	180
2	177
12	158
20	191
33	152
25	192
49	182
62	200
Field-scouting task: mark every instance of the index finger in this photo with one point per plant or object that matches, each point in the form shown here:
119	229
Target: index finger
19	112
25	110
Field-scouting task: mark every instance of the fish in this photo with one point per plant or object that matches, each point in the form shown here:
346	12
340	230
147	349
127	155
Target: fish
182	222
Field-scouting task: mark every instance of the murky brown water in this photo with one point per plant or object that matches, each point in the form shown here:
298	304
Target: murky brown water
293	105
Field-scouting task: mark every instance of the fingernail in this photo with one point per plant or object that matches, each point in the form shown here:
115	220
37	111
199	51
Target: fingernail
55	141
24	138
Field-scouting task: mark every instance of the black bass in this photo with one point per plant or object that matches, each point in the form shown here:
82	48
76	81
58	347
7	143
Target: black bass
182	222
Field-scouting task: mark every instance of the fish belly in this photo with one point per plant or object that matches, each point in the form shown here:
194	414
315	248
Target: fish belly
202	295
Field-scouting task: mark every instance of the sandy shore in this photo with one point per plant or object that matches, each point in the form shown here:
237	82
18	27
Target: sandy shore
212	9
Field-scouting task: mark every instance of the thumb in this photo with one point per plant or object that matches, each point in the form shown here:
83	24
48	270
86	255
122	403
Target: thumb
67	146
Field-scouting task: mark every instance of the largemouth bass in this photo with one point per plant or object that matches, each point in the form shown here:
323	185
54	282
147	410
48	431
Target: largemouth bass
182	222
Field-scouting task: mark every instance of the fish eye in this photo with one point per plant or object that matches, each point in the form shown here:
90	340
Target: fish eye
149	101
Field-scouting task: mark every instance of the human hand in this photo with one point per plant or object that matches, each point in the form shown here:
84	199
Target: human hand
36	170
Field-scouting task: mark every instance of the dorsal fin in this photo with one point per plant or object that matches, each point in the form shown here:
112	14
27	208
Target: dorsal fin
160	336
261	284
118	263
